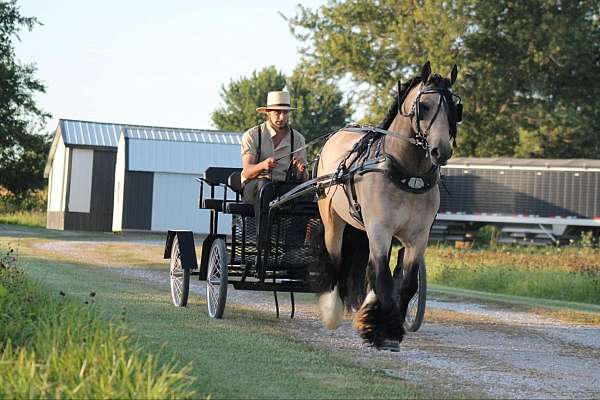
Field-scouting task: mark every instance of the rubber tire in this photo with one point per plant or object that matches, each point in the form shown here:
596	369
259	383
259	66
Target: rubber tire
217	279
416	306
180	284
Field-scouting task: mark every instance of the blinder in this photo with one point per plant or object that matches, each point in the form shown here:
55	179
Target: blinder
455	108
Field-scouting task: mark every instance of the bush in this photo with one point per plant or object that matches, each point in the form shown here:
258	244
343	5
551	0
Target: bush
33	201
487	235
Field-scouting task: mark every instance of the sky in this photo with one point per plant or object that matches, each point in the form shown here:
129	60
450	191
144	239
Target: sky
151	62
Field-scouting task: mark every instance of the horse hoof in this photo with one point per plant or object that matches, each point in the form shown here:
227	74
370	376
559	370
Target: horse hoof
377	327
391	345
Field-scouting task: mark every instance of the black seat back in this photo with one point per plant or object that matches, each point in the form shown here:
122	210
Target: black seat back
234	181
218	175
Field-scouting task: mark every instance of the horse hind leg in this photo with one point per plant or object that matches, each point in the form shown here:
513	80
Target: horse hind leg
330	302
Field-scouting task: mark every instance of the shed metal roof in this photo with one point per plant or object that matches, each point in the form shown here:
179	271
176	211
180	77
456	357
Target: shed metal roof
86	133
103	134
182	135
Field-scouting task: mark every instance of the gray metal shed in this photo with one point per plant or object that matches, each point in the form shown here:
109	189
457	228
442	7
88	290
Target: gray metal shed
80	171
155	186
82	163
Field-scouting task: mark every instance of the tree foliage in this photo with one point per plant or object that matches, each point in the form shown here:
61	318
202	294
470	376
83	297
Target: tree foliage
22	150
528	70
241	98
320	104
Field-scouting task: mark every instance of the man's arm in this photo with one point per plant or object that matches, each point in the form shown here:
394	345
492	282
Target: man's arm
250	170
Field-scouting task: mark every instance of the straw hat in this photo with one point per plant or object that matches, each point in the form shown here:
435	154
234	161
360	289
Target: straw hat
279	100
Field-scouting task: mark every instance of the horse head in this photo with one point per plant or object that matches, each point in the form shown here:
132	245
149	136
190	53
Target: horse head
429	107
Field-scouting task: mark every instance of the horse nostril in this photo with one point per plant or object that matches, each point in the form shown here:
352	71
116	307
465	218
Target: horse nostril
435	153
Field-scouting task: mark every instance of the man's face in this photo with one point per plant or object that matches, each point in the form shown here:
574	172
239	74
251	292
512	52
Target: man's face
278	118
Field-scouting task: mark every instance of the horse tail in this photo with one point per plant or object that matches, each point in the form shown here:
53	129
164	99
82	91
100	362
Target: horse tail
350	274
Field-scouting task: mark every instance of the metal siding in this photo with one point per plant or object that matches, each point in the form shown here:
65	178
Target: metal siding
137	200
175	205
56	182
103	184
117	224
180	157
525	192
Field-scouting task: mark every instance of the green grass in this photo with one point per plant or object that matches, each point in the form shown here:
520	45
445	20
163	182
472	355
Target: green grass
26	218
246	355
567	274
53	347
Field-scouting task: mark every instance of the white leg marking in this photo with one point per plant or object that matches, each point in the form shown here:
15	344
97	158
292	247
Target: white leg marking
332	308
370	298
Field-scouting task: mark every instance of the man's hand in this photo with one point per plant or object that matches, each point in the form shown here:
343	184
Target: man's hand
269	163
299	164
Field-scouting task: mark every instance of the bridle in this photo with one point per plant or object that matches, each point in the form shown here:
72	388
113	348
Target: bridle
446	96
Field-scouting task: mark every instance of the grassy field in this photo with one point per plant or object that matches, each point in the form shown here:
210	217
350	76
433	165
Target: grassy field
25	218
247	355
566	274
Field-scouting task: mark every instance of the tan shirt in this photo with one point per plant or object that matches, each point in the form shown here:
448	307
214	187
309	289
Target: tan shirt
250	146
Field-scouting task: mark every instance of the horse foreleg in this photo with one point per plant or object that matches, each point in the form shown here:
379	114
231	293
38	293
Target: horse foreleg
406	289
330	303
379	317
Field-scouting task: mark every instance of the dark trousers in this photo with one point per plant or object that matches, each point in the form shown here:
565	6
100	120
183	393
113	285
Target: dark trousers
251	195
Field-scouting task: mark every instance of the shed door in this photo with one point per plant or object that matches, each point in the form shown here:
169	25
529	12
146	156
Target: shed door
80	185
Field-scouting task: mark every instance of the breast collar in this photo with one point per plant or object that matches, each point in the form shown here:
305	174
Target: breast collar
368	155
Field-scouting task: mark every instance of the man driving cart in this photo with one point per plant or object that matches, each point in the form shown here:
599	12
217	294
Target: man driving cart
272	151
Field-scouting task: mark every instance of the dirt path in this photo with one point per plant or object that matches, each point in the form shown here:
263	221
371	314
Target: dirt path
465	347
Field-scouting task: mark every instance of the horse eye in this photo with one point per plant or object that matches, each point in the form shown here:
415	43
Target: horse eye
423	108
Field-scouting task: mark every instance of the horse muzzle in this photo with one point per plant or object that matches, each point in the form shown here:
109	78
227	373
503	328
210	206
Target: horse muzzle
440	156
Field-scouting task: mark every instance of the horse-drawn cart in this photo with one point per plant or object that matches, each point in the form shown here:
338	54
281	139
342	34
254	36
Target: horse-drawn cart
282	256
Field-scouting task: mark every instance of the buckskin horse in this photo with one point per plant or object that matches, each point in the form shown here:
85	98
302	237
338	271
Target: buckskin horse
385	183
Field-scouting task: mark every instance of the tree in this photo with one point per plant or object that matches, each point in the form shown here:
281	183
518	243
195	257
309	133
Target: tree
321	107
528	70
22	150
243	96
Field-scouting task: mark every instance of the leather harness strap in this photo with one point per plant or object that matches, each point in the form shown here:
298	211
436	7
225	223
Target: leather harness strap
258	153
381	162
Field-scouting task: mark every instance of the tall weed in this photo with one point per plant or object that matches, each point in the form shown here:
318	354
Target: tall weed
56	348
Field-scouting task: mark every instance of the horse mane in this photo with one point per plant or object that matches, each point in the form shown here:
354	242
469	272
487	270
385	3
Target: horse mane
435	80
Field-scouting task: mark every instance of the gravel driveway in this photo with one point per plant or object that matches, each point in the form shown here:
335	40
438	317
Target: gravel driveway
471	348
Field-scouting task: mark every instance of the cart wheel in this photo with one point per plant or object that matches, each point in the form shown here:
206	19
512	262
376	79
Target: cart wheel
180	277
216	279
416	306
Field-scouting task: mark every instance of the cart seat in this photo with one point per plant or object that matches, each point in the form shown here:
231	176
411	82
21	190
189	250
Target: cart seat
213	204
243	209
234	181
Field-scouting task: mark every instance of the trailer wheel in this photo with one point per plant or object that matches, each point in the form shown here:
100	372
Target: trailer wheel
180	277
217	279
416	305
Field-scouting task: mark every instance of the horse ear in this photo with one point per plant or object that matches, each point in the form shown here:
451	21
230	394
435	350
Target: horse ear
453	74
425	71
